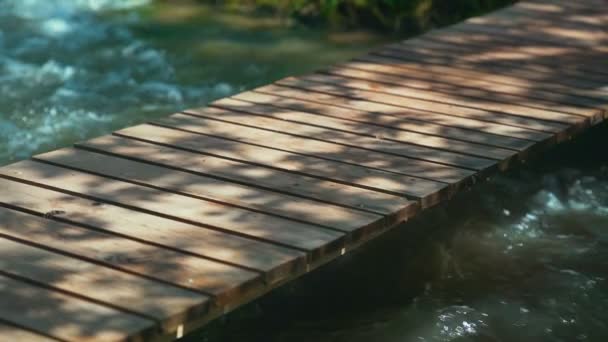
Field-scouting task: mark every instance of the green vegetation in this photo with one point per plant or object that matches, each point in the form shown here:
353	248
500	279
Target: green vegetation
387	15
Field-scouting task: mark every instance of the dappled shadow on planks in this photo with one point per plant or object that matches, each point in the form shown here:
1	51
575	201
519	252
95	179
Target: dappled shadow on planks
203	210
58	316
394	273
517	67
527	78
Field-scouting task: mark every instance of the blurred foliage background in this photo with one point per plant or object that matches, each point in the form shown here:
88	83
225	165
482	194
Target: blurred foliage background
397	16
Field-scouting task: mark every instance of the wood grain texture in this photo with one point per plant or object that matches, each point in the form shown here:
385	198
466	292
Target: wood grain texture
370	131
252	175
430	124
301	164
274	262
316	148
473	83
12	332
127	292
427	85
66	317
424	156
312	239
508	125
212	189
428	52
468	102
544	123
212	278
163	226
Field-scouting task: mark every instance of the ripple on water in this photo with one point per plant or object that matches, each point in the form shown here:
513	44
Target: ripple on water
130	61
548	284
66	74
528	263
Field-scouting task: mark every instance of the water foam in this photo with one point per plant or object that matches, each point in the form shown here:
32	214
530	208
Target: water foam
69	73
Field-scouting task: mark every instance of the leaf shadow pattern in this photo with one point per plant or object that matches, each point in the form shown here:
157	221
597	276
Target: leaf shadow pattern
209	208
450	256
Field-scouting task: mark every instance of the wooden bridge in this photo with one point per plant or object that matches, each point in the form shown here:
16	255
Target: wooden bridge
153	230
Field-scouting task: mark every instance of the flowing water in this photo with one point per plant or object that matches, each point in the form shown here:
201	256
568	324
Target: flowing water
522	258
75	69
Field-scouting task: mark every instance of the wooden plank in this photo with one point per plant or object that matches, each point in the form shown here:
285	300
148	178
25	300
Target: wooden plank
560	7
415	153
410	93
544	77
511	27
166	304
580	42
403	118
574	41
274	262
540	27
463	55
363	129
580	19
461	88
315	240
317	92
469	82
384	94
594	11
593	6
510	47
348	139
433	125
12	332
215	190
515	77
66	317
240	197
581	28
253	175
221	281
331	151
432	52
427	191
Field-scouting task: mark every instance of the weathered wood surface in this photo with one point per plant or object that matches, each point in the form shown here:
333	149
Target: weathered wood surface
152	231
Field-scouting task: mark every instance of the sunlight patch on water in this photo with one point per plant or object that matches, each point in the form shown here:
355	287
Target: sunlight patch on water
459	321
66	74
38	9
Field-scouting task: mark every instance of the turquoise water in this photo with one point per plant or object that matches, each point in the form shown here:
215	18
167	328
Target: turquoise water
522	258
75	69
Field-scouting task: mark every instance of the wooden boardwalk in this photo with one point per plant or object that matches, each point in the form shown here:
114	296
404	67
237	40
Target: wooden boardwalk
152	231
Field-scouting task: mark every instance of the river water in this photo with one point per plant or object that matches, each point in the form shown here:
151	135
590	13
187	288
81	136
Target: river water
74	69
522	258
